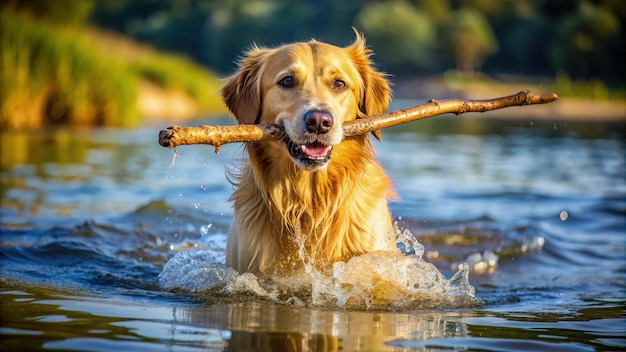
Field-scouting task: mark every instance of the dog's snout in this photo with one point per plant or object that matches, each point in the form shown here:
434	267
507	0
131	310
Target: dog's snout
318	122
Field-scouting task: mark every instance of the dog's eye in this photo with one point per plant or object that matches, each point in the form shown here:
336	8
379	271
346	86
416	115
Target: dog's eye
339	85
287	82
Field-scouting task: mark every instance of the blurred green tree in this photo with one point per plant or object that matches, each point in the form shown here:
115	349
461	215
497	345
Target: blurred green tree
402	36
587	41
438	11
469	39
70	12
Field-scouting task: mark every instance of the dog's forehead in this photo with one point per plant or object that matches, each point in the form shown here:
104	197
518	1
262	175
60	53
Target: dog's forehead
313	54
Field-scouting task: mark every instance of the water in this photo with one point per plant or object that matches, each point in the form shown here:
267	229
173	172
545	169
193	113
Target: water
110	242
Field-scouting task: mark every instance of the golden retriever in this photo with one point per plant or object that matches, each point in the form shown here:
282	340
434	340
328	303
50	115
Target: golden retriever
315	195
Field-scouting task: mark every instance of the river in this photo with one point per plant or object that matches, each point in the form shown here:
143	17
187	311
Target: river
110	242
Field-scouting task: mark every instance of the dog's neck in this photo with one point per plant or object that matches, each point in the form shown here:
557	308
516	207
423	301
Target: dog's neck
326	213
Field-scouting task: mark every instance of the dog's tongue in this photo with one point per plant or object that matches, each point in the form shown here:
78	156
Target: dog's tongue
315	149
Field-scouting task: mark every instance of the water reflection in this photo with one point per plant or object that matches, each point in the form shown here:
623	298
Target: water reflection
72	173
263	326
60	319
100	323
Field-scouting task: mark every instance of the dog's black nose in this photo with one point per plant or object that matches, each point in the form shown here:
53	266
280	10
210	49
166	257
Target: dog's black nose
318	122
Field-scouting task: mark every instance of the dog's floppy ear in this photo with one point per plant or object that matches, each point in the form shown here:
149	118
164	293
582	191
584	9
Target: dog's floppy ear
376	89
242	91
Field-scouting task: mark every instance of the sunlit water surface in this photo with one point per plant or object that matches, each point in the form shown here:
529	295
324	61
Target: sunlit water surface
110	242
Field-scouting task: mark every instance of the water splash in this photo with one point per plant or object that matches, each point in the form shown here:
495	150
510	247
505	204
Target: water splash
381	280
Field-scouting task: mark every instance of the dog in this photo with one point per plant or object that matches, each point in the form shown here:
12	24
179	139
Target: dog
315	196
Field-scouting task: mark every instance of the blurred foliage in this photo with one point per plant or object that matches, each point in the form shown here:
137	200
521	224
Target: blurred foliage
469	40
58	71
395	25
583	39
66	12
51	75
177	73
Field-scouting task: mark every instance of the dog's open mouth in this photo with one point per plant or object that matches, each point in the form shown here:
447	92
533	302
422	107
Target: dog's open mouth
310	155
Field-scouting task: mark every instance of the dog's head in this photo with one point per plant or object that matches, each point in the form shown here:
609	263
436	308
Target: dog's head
311	89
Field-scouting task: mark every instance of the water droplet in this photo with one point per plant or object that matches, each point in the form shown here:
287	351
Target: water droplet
176	155
204	229
538	242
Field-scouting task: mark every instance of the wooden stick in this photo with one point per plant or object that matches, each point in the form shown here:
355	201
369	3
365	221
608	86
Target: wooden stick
219	135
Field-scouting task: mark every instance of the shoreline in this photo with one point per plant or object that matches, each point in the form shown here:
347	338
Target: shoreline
565	108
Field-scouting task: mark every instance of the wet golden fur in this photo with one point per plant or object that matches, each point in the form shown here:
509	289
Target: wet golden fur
283	211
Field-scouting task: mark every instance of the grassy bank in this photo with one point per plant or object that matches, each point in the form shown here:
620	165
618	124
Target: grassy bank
54	75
